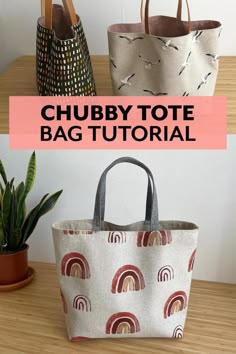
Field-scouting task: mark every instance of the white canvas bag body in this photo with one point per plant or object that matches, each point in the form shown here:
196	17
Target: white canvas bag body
125	281
164	55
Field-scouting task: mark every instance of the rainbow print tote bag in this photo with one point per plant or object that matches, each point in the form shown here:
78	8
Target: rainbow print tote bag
63	62
125	281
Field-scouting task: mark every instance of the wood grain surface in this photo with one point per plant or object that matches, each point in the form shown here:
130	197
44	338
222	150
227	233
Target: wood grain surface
32	321
19	80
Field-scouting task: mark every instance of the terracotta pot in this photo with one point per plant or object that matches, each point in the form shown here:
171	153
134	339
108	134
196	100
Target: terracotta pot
14	266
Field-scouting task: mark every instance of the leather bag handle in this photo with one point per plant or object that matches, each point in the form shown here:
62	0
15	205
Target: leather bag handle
46	10
145	14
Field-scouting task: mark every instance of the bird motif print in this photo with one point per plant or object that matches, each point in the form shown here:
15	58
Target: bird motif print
131	40
214	57
180	64
112	60
155	93
126	81
204	81
149	63
167	44
196	36
185	64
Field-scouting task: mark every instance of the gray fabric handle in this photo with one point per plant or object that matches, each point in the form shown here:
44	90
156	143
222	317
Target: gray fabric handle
151	205
148	201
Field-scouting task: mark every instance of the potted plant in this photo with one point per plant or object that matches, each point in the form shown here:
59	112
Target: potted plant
16	225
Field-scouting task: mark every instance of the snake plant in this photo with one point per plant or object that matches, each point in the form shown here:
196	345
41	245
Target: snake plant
16	224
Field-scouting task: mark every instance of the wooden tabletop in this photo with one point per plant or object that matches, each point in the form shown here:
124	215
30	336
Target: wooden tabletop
19	80
32	321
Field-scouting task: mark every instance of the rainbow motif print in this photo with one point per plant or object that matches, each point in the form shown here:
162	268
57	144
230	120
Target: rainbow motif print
178	332
154	238
124	283
127	278
75	265
122	323
166	273
82	303
117	237
191	261
175	303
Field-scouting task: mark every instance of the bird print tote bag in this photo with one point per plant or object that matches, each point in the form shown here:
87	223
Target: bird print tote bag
164	56
125	281
62	55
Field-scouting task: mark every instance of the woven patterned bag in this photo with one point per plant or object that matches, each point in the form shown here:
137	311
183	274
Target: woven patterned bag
164	55
125	281
63	61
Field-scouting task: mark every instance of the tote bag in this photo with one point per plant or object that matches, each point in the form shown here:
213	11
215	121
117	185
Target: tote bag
125	281
63	61
164	55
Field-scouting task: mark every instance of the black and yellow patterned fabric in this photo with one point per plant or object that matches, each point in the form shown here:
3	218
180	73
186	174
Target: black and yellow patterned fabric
63	65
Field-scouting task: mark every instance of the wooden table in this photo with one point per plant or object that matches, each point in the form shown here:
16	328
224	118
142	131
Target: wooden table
19	80
32	321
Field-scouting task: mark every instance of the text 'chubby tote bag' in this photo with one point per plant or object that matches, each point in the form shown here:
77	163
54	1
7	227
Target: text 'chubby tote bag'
63	61
125	281
164	55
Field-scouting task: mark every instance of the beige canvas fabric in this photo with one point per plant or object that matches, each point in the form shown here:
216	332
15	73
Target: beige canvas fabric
125	281
169	60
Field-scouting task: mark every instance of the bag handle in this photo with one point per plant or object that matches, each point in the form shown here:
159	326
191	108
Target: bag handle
145	14
46	10
152	203
148	201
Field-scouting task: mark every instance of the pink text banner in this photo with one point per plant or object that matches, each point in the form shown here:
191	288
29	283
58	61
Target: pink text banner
117	123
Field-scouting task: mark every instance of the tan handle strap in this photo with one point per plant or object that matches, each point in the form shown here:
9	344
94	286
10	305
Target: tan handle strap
46	9
145	14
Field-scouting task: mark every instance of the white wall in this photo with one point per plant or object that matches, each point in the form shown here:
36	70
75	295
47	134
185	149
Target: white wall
196	186
18	22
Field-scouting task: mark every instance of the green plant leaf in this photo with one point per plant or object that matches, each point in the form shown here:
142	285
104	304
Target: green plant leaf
3	173
45	205
1	189
29	181
31	173
6	207
14	236
2	235
1	196
19	194
49	203
19	191
11	182
31	220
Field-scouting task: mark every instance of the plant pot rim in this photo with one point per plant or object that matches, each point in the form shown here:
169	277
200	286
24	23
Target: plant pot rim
20	284
24	248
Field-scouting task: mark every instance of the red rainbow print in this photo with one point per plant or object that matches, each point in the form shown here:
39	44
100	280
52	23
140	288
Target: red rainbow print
127	278
176	302
82	303
122	323
154	238
117	237
78	338
191	261
75	265
178	332
65	309
166	273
